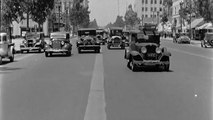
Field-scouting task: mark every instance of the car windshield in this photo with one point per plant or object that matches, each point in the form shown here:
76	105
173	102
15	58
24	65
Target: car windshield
87	32
32	36
115	32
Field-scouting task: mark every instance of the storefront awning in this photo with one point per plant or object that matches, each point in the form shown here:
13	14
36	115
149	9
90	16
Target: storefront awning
204	26
196	22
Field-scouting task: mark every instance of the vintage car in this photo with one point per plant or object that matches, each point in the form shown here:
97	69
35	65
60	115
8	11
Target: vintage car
145	50
100	36
207	41
117	38
33	41
59	43
87	40
181	38
6	47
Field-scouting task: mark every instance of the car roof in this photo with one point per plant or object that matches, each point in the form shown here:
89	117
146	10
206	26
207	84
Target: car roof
81	29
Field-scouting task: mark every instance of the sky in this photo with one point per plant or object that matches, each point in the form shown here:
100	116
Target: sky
105	11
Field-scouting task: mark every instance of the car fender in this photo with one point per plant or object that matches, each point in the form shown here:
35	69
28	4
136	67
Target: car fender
134	53
11	51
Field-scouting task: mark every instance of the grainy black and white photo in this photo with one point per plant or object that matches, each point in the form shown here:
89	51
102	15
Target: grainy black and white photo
106	59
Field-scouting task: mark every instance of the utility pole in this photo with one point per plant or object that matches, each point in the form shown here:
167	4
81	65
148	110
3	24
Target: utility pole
59	17
190	19
0	15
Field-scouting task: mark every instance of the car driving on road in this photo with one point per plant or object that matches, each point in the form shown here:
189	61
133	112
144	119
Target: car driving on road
145	50
87	40
59	43
181	38
116	38
208	40
34	41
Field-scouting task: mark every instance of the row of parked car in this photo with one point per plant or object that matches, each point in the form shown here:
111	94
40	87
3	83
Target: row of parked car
141	48
183	38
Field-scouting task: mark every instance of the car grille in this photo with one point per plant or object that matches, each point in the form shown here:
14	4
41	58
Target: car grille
151	54
56	44
30	43
116	40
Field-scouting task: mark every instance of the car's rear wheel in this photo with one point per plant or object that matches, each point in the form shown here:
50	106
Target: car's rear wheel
133	66
68	53
166	67
11	58
97	50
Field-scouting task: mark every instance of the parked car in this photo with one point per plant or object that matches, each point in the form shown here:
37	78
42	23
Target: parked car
87	40
34	41
181	38
59	43
117	38
207	41
6	47
145	50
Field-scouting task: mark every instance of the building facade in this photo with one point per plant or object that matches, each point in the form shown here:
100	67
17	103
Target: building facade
149	11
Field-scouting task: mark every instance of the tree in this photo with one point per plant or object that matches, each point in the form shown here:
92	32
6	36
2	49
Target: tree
93	24
79	15
119	22
131	17
205	9
40	10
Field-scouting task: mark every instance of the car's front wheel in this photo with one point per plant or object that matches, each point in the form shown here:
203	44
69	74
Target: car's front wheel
79	50
46	54
0	60
68	53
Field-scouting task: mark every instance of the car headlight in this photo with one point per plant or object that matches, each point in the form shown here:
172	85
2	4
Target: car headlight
62	43
158	50
143	50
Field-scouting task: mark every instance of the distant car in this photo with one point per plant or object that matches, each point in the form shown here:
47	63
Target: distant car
181	38
207	41
34	41
87	40
117	38
59	43
145	51
100	36
6	47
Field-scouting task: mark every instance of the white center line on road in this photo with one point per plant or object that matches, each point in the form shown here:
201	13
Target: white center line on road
209	58
96	101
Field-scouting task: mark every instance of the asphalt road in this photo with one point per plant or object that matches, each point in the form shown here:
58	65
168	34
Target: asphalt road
92	86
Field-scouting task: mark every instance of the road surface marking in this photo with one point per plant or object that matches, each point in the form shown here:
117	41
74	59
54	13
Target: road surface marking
209	58
96	101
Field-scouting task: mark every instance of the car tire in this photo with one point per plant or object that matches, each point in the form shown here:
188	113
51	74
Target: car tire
39	50
79	50
98	50
22	51
133	66
201	44
11	58
46	54
108	46
166	67
68	53
0	60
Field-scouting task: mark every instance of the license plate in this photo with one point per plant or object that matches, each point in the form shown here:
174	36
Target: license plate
151	55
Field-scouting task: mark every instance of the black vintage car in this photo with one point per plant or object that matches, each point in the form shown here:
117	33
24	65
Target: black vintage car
145	50
34	41
208	40
59	43
117	38
87	40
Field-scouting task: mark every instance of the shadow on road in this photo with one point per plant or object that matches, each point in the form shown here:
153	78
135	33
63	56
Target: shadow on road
4	70
150	69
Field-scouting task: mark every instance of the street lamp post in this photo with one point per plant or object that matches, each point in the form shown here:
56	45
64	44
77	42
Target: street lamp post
190	4
59	9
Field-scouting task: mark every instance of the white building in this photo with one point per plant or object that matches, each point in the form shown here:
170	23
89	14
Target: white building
149	11
179	23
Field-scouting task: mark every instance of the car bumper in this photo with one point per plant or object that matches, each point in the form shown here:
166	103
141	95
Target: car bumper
29	48
56	50
150	63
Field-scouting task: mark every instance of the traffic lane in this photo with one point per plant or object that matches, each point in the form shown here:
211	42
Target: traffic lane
47	88
184	93
207	52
